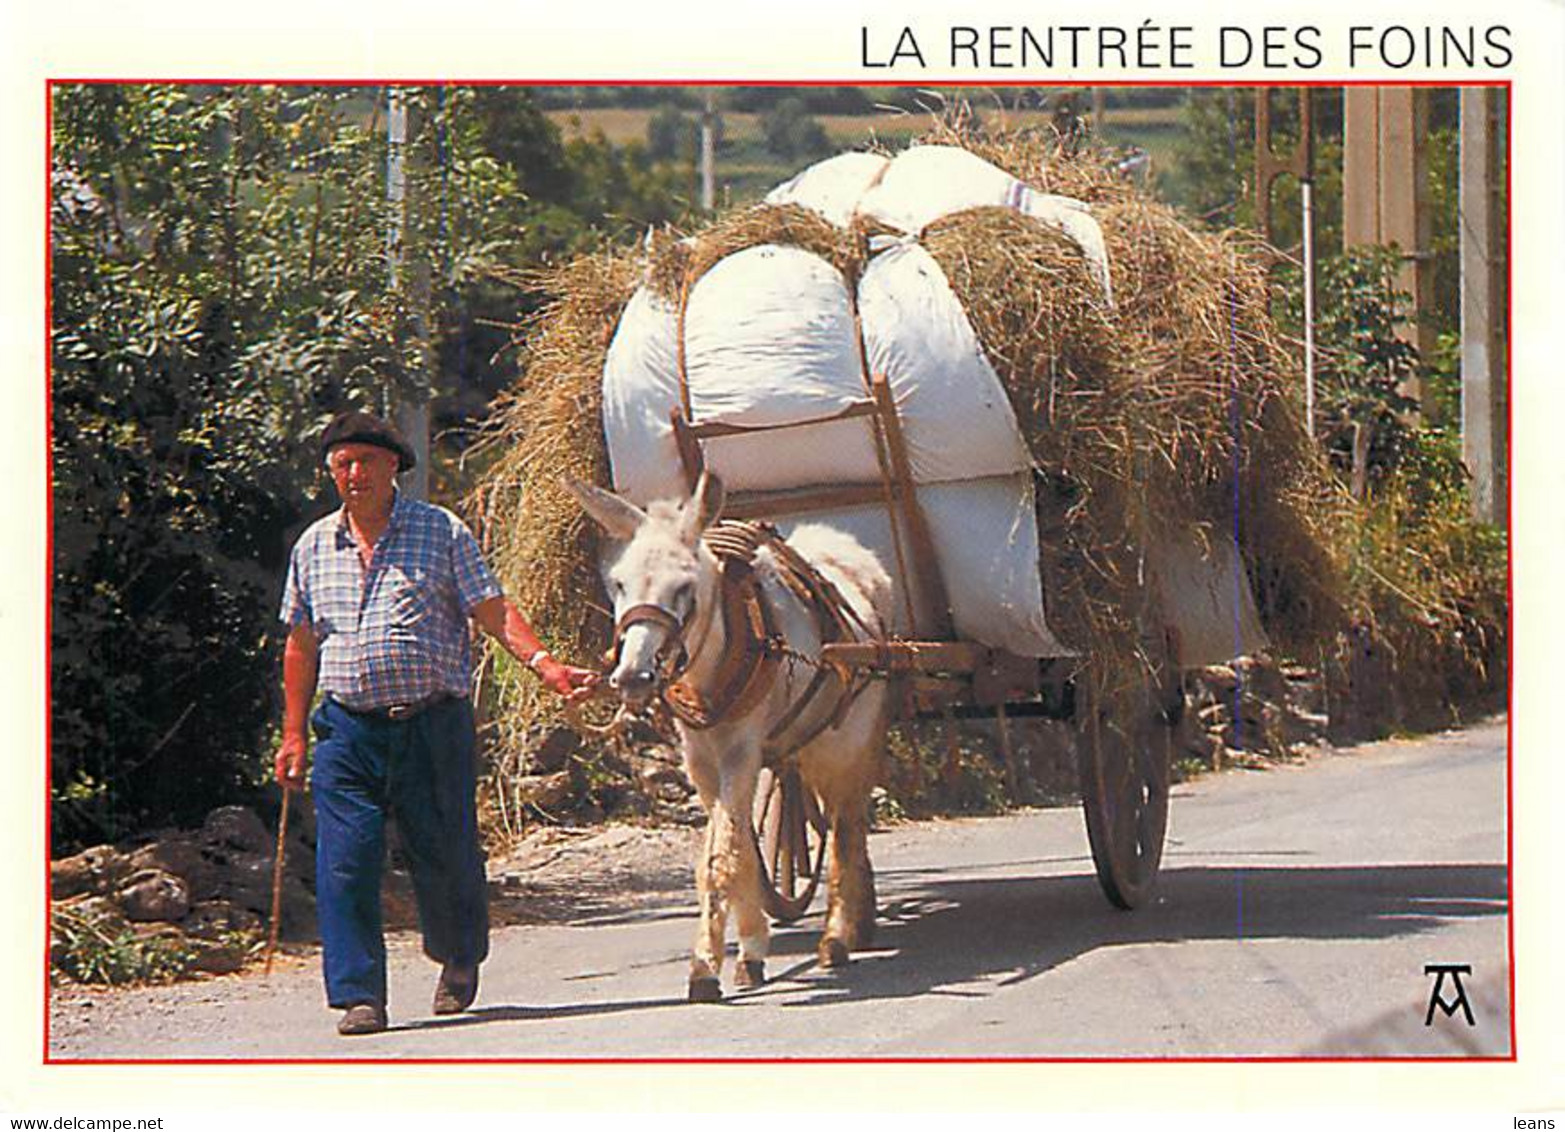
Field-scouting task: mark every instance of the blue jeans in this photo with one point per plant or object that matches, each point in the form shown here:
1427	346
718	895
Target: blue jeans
420	771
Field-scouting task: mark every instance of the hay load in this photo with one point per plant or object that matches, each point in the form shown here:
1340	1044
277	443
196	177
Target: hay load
1139	393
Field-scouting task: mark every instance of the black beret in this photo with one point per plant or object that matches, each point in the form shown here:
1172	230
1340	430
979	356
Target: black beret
358	427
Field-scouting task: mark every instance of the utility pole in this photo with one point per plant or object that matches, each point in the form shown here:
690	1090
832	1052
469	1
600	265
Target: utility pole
1485	300
412	418
1385	195
1300	163
709	154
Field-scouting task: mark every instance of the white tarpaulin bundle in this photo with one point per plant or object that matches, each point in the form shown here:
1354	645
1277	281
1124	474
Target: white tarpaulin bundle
914	189
770	339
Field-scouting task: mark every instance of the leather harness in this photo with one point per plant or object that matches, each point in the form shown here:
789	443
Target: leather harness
754	646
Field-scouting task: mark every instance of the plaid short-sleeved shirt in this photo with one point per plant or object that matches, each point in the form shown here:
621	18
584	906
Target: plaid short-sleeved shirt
397	632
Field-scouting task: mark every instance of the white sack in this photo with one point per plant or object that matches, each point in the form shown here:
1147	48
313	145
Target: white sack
926	182
1206	598
769	339
832	187
640	393
955	414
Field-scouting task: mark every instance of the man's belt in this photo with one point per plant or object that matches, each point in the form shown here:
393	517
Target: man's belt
400	713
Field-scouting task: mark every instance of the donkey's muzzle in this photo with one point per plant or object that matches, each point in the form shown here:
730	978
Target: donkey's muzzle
634	686
637	681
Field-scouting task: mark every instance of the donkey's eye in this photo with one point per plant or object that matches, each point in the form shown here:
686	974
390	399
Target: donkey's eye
685	596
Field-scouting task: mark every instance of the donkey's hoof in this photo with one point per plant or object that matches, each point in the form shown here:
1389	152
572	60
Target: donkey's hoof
833	953
750	974
863	932
705	988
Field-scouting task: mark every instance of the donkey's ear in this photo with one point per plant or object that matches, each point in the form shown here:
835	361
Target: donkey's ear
704	506
619	518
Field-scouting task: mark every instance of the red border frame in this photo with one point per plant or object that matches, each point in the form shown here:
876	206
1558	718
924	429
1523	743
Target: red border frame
1507	85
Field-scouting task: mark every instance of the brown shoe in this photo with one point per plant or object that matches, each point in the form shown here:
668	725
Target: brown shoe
457	988
362	1018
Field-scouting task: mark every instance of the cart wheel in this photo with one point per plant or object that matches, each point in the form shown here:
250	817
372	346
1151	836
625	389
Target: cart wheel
1124	791
791	834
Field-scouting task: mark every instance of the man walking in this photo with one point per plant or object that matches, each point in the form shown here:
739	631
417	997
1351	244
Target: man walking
377	601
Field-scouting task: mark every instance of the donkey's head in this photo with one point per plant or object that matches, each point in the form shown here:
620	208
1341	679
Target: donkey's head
662	579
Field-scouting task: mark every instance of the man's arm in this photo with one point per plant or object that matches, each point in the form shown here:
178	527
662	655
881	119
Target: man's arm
301	665
505	623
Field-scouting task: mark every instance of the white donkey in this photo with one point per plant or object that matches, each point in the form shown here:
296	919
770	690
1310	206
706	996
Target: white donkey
675	610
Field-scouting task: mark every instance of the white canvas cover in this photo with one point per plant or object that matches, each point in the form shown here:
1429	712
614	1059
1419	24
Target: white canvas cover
832	187
769	339
926	182
1206	598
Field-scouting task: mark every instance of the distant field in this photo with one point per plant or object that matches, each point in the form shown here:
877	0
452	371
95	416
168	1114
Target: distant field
745	171
628	125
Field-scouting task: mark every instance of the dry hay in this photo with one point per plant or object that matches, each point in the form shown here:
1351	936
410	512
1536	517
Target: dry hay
542	547
550	427
1434	587
675	265
1193	402
1168	416
1177	411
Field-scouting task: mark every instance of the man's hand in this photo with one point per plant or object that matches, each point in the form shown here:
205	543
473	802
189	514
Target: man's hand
505	623
289	762
575	684
301	657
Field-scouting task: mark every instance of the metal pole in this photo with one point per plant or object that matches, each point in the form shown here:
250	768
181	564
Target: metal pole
396	194
412	418
1307	195
1483	300
708	154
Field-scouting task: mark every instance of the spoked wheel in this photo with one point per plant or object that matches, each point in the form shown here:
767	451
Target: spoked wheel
1124	791
791	834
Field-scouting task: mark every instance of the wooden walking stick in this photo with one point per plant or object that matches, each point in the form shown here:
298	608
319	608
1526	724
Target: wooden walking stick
277	881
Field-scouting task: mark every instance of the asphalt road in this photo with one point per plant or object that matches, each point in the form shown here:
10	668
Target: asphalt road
1297	910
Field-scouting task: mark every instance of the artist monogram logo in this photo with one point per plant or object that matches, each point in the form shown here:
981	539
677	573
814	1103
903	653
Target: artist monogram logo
1454	971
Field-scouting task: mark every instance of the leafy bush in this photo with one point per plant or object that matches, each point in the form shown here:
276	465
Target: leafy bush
671	135
100	949
219	288
1364	364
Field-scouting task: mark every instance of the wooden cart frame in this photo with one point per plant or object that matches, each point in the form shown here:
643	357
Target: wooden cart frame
1123	765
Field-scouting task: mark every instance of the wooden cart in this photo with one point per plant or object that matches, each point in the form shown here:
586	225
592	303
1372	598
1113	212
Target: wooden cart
1123	763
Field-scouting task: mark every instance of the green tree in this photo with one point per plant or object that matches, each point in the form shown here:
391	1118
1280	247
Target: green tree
219	286
671	135
791	133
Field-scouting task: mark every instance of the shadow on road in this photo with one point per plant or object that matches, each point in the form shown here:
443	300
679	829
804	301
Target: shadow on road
481	1015
935	935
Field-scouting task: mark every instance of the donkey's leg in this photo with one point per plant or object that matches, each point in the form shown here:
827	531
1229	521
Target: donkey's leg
844	785
745	893
850	894
706	961
859	895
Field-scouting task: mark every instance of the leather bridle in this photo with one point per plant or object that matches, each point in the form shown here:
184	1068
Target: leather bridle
672	657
